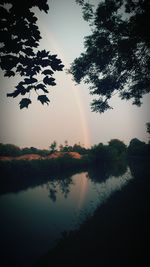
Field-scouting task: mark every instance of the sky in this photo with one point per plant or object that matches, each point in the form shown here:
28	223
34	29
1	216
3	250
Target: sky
68	116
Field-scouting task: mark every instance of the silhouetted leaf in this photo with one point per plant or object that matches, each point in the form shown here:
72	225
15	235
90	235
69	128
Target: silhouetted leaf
31	80
37	69
42	54
9	73
60	67
42	5
30	17
47	72
49	81
13	94
20	89
52	57
24	103
42	87
55	66
43	99
30	87
19	68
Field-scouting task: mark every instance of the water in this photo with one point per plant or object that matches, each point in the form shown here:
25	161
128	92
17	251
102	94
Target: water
32	221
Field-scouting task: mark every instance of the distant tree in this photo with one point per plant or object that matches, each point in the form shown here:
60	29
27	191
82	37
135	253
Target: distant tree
118	145
78	148
26	150
9	150
53	146
117	53
100	153
136	142
65	148
20	38
136	148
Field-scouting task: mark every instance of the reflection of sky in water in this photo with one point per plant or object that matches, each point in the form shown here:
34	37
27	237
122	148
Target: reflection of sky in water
33	220
97	193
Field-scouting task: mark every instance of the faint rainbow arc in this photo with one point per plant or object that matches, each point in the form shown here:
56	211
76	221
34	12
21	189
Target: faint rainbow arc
52	43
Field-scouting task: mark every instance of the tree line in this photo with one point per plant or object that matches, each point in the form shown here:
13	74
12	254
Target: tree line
13	150
114	150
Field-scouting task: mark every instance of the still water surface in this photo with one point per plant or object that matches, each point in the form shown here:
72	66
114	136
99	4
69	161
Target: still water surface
32	221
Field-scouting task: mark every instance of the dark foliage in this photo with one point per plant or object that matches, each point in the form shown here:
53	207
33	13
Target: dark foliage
13	150
53	147
103	153
119	146
19	52
9	150
117	53
138	149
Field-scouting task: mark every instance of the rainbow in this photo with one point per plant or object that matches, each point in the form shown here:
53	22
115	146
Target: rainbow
50	42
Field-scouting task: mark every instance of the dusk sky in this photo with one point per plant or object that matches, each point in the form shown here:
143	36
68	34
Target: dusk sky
68	116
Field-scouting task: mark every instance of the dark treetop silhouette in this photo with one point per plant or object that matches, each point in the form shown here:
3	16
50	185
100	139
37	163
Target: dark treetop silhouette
117	53
20	38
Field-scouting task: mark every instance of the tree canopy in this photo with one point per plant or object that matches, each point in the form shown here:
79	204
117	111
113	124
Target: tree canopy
20	37
117	53
53	146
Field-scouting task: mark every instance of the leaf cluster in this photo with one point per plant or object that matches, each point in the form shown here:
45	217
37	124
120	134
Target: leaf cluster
117	53
20	37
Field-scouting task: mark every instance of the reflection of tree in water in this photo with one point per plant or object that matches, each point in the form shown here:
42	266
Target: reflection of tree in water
59	185
97	173
51	186
102	172
65	186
